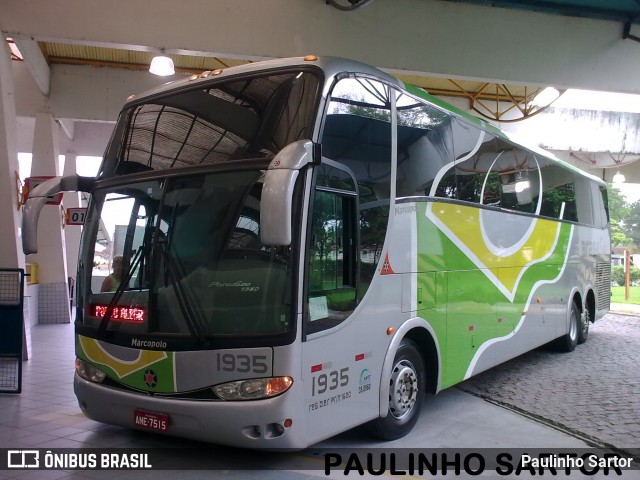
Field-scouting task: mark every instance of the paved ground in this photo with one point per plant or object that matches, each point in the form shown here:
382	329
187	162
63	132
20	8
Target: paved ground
593	391
46	416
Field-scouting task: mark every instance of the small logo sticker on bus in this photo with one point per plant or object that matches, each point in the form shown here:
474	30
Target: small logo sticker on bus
386	267
365	381
150	378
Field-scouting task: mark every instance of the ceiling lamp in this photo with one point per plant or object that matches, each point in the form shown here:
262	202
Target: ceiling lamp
162	65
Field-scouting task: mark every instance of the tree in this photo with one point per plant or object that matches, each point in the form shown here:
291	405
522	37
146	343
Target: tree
632	223
618	206
617	275
619	212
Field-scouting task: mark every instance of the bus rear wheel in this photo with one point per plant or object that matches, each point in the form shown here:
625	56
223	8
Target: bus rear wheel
568	342
406	393
583	331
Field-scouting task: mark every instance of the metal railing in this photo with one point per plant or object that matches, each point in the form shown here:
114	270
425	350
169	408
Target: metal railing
11	329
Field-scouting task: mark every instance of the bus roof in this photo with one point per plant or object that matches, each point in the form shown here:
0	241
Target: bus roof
332	66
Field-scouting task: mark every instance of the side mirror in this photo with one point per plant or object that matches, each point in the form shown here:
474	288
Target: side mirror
38	198
276	205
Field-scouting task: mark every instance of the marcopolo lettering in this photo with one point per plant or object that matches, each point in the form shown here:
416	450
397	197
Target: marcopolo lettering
135	342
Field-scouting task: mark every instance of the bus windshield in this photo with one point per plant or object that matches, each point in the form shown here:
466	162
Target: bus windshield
180	254
227	119
185	257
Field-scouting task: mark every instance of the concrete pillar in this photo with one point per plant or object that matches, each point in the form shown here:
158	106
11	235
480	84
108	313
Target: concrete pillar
10	245
71	232
11	255
53	298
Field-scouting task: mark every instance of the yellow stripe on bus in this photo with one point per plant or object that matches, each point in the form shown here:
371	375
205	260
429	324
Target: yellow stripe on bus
97	354
464	223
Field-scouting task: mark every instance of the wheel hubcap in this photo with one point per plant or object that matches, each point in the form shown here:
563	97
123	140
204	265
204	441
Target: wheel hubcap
404	389
573	328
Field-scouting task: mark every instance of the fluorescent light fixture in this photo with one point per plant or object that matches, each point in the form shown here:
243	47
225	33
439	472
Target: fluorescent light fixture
162	66
618	178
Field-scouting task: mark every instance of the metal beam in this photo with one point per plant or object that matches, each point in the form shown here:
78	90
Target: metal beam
67	126
80	92
35	62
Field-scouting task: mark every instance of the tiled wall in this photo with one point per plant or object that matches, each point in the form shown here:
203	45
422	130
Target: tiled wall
30	309
53	303
31	304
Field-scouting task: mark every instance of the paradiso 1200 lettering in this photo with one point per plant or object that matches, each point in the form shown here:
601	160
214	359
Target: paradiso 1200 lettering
306	245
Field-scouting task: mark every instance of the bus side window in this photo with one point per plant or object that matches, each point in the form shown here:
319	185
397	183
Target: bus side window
357	134
558	192
603	202
475	153
425	146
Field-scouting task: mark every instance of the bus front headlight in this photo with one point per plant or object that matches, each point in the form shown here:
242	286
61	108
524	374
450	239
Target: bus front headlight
253	389
89	372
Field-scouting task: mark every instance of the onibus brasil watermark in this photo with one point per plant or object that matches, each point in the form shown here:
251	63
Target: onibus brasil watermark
80	460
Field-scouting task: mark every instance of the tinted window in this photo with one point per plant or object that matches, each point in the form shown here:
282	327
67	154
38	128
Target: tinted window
474	152
559	191
332	292
605	202
560	202
234	119
514	179
357	134
187	259
425	145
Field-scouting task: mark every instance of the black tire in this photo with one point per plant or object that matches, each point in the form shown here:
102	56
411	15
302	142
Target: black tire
568	342
583	329
406	393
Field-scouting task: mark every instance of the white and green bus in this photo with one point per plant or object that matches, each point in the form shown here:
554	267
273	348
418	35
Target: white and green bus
309	244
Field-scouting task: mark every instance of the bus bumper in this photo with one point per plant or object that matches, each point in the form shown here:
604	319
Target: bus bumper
260	424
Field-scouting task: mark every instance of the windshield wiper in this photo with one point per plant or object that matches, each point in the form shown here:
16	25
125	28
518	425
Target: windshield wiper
126	278
188	313
194	323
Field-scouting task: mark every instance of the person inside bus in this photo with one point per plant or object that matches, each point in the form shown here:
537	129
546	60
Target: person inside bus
112	282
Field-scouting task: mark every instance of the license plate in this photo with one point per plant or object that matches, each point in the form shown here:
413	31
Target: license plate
158	422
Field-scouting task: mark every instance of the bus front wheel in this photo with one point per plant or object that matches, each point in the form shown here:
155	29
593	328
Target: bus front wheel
406	393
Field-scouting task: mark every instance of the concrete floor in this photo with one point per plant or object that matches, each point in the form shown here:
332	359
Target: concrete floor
46	416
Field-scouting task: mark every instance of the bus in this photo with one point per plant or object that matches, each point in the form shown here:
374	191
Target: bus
309	244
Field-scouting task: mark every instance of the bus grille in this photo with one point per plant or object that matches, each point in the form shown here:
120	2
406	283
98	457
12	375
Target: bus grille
200	394
603	285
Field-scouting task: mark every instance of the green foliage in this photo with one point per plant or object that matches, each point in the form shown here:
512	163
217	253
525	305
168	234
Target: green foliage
632	224
619	213
618	236
618	206
617	275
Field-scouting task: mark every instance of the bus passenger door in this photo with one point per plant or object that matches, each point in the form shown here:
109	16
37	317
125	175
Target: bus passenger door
346	299
331	380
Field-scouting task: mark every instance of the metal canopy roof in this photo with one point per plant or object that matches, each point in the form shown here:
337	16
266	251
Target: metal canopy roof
624	11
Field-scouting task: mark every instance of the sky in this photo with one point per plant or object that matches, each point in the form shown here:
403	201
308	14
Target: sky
607	101
631	191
